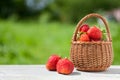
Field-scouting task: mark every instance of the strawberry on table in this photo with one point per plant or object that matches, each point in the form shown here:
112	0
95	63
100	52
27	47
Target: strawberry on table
65	66
52	61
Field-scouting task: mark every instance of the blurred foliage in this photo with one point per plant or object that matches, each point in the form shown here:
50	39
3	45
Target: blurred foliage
73	10
23	9
34	42
62	10
24	42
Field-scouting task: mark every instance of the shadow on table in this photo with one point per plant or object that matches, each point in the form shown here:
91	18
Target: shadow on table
75	73
110	71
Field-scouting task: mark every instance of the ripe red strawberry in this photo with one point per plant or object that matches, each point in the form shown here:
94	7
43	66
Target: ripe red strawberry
52	61
65	66
84	28
94	33
84	37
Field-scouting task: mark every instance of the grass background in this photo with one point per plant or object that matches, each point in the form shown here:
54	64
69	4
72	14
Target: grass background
33	42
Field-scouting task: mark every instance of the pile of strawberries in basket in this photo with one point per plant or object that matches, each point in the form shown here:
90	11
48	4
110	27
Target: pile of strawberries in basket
87	33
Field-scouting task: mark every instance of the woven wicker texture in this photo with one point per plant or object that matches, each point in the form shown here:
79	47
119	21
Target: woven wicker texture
91	56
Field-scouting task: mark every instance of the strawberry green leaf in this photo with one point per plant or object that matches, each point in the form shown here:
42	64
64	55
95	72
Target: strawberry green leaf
78	35
104	37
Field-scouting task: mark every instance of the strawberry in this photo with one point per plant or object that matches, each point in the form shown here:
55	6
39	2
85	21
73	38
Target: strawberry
94	33
84	37
65	66
84	28
52	61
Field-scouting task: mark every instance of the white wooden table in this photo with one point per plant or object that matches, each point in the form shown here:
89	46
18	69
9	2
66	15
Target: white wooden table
39	72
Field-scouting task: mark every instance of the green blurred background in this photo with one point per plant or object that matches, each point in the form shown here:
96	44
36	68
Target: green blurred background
32	30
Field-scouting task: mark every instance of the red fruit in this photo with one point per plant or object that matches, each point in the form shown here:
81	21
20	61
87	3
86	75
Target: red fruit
84	37
84	28
65	66
52	61
94	33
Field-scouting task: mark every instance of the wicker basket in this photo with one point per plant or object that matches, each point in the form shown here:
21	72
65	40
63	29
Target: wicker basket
91	56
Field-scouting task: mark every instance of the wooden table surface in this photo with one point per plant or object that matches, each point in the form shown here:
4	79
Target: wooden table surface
39	72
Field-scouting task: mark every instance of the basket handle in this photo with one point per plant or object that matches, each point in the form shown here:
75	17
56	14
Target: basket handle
89	16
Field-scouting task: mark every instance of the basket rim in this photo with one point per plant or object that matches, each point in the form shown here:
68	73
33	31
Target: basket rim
94	42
